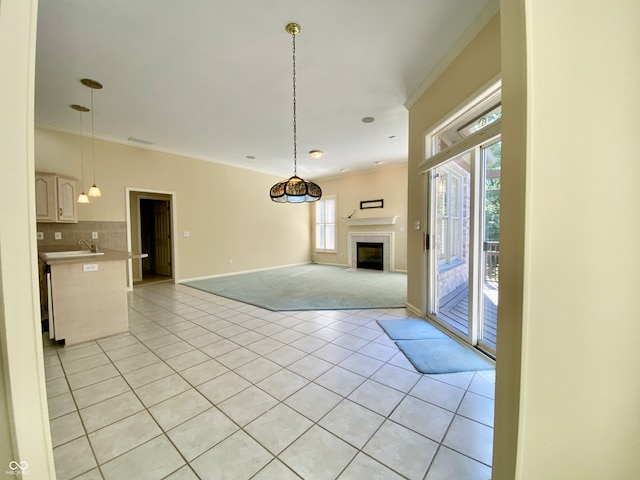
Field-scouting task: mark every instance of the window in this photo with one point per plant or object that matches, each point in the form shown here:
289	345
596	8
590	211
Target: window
326	224
449	187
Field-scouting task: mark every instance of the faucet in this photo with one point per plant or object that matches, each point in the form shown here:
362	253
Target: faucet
91	246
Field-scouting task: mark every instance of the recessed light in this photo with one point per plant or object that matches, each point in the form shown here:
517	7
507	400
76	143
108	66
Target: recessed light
368	120
344	170
379	162
392	136
315	153
250	157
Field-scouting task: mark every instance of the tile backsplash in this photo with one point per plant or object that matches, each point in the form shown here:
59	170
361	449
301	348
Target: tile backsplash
112	235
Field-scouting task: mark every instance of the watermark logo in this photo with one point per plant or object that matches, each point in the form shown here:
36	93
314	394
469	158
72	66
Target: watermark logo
18	468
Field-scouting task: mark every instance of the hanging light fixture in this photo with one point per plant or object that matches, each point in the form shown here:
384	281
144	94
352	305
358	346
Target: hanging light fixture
295	189
82	198
94	191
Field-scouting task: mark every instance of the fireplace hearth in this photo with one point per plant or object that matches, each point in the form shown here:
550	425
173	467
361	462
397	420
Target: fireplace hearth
370	255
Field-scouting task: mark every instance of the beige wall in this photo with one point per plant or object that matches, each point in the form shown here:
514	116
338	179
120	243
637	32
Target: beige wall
23	411
578	233
476	65
389	184
226	210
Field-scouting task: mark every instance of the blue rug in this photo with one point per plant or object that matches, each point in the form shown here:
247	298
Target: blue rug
311	287
431	351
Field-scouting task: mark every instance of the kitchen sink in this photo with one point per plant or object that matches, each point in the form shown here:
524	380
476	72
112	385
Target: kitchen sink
71	253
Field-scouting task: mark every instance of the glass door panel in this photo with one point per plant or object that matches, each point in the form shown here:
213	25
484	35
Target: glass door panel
489	231
451	220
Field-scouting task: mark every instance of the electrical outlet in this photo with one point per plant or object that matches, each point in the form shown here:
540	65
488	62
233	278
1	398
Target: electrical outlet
57	235
186	233
94	235
230	262
40	236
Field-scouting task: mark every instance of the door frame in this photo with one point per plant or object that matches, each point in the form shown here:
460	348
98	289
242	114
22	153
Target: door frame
173	225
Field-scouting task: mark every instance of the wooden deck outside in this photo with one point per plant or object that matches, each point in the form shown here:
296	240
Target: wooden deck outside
454	310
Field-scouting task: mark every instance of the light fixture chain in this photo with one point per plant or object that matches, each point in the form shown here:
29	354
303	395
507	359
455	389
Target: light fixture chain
81	151
295	153
93	153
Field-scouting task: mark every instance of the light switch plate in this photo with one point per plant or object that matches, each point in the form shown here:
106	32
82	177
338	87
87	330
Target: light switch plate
40	236
94	235
186	233
90	267
57	235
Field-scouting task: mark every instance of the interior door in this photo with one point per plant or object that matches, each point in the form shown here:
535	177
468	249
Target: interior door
162	240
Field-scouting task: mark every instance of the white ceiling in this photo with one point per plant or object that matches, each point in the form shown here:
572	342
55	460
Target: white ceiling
211	79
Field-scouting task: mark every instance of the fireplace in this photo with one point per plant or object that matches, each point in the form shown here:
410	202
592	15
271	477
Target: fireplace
370	255
385	238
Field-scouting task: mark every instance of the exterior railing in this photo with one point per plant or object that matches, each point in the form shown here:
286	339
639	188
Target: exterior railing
491	263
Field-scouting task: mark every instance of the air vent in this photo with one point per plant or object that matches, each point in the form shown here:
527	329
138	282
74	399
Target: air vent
140	141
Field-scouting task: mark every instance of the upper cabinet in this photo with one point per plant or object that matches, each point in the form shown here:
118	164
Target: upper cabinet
55	198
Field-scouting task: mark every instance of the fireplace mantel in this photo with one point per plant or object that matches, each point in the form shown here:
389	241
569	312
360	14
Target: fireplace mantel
372	221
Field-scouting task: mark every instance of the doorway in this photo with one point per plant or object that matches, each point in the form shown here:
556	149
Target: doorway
464	225
151	225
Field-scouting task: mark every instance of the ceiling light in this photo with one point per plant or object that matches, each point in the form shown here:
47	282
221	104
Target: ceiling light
94	191
368	120
295	190
379	162
250	157
316	153
82	198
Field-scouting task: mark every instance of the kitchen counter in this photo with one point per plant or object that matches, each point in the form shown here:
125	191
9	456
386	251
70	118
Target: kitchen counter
103	255
86	293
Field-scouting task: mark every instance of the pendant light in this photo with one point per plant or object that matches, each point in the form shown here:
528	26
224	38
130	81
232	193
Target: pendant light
295	189
82	198
94	191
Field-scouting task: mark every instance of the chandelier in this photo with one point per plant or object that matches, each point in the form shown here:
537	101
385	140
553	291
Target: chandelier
295	189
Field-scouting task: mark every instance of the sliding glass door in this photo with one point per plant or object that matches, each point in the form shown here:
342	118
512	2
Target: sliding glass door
464	225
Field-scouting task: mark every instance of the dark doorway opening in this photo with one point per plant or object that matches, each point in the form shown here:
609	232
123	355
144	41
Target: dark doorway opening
370	255
155	238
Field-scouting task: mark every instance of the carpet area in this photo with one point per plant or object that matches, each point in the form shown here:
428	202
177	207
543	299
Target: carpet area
311	287
431	351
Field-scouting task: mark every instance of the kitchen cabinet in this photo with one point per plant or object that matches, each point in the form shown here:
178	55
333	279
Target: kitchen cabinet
56	198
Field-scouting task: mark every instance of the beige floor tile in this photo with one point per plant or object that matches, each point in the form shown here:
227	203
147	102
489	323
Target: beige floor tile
223	387
202	372
150	373
401	449
423	417
85	363
449	464
478	408
61	405
196	436
470	438
282	384
364	467
285	355
66	428
361	364
438	393
100	391
73	458
92	376
318	454
247	405
238	457
154	459
179	409
313	401
310	367
136	362
276	470
278	428
377	397
57	386
340	380
155	392
123	435
109	411
396	377
258	369
352	423
186	360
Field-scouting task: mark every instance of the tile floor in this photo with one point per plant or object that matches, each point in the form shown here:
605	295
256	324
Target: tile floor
210	388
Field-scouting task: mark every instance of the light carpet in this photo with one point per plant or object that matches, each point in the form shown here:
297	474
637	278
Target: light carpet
431	351
311	287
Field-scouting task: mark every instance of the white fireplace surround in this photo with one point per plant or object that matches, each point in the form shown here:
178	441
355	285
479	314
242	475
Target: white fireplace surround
386	238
